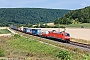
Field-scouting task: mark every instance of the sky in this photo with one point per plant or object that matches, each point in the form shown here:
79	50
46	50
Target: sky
51	4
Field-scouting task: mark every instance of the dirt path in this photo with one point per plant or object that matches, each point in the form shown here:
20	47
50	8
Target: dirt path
5	34
9	30
3	27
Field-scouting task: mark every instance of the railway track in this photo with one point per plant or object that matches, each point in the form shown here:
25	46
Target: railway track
80	44
76	44
73	43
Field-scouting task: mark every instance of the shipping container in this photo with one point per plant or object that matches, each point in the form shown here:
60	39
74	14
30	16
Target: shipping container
35	31
13	27
26	30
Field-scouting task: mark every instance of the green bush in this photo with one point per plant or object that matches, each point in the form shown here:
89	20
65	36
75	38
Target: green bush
86	57
16	35
64	55
2	53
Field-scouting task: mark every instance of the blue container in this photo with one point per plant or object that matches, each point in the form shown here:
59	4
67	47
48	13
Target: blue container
35	31
27	30
24	30
30	31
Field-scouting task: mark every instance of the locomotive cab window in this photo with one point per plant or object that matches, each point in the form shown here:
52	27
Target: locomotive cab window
67	34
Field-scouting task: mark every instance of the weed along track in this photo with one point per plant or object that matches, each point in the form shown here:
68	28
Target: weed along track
53	42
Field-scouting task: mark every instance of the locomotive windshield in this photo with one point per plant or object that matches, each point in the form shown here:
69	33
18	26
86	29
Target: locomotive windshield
67	34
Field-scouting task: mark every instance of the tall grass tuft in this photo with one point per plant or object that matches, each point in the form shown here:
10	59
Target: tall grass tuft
2	53
64	55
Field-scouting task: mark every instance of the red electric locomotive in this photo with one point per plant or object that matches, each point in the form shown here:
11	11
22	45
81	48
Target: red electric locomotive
64	36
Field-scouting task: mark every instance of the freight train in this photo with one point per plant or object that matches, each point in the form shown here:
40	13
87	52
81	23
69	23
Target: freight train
62	36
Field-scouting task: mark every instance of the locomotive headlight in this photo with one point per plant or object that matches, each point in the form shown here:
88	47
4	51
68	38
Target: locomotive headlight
67	37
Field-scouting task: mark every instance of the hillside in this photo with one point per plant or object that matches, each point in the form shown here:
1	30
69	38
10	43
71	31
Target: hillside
29	15
79	16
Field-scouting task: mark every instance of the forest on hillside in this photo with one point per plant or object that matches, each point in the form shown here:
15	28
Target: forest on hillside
79	16
10	16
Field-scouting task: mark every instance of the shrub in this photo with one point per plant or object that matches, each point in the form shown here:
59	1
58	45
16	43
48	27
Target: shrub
2	53
86	57
64	55
16	35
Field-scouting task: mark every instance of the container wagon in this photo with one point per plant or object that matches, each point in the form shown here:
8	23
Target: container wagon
35	31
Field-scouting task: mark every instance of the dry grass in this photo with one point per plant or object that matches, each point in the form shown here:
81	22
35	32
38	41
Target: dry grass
23	54
80	40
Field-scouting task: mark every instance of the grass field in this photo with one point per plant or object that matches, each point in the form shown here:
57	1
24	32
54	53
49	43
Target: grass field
33	47
4	31
86	25
26	47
